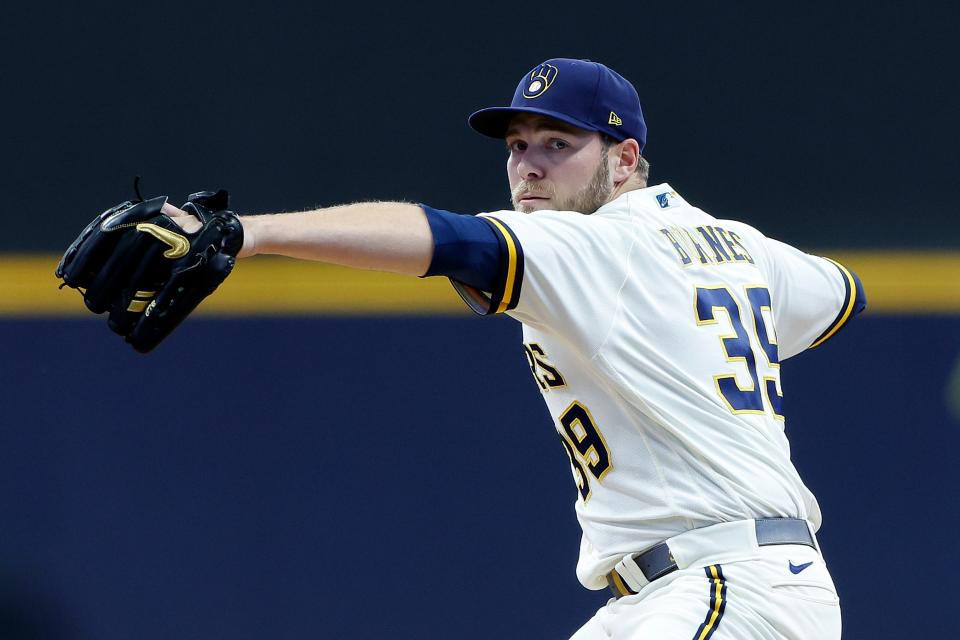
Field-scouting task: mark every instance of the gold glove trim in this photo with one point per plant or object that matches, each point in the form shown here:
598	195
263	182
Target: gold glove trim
179	245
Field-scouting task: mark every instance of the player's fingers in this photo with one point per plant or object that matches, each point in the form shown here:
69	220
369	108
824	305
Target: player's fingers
172	210
187	221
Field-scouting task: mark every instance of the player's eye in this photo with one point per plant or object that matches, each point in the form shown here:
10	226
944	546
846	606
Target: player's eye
516	145
558	144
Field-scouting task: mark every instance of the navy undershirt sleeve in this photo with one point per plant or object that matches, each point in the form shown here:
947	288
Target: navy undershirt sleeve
861	297
465	248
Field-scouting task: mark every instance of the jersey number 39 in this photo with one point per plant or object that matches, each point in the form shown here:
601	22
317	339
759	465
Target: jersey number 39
586	446
737	348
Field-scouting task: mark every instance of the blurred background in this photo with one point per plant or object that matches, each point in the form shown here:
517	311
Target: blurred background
324	453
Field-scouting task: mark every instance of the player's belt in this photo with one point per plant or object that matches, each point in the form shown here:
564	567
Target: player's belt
658	561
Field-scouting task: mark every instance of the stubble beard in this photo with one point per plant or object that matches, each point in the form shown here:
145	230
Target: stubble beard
590	198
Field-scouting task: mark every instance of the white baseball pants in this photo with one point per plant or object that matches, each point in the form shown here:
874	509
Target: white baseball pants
719	593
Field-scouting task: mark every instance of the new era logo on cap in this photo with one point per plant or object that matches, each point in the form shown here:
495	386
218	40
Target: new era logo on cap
585	94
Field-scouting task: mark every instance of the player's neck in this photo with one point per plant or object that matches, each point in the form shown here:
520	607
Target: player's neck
632	183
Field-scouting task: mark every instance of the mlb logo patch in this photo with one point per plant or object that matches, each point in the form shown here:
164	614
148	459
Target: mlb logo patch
665	200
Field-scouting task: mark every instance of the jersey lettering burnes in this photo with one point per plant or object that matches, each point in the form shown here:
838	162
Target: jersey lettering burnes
655	333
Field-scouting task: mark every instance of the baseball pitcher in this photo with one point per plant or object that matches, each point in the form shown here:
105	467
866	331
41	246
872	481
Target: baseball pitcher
653	331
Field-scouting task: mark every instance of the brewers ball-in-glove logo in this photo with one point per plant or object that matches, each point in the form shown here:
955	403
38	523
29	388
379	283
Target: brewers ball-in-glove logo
540	80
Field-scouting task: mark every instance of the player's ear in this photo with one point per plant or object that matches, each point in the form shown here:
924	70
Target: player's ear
627	156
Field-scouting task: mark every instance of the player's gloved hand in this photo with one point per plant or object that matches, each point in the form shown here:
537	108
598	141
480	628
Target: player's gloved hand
184	220
150	270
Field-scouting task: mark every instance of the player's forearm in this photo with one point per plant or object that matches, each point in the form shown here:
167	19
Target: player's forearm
385	236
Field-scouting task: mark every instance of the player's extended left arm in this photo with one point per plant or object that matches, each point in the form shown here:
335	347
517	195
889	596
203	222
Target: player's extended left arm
385	236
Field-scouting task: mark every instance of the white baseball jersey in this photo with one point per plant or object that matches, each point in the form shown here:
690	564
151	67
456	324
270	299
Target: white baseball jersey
655	332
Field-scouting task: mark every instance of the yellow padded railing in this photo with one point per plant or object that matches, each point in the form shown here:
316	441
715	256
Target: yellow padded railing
895	282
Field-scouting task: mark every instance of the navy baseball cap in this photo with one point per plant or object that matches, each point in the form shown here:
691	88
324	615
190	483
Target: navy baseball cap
585	94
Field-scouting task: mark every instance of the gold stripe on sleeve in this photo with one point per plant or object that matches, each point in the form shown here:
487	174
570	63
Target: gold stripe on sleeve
511	266
851	300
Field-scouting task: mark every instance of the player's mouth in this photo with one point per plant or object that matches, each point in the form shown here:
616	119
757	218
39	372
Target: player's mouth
529	198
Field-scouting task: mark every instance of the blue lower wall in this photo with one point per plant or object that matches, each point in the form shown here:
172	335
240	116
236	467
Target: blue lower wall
354	478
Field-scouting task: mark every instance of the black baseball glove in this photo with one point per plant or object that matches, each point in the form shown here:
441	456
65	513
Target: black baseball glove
140	266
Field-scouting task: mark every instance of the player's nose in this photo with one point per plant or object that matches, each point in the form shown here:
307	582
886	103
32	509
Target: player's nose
529	169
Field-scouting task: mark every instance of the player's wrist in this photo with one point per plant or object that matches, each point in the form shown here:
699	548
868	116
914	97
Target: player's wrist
249	247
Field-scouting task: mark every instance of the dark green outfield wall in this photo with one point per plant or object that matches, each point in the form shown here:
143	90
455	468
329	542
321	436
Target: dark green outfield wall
827	125
371	478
